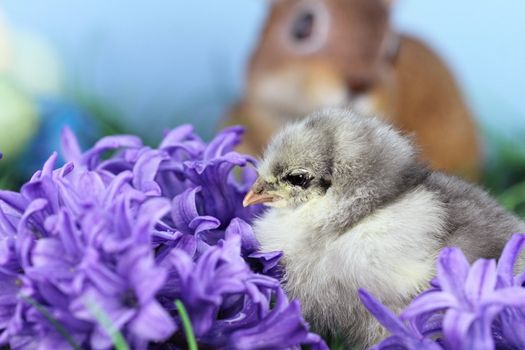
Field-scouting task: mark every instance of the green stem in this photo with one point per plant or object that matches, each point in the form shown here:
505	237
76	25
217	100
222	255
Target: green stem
186	324
54	322
116	337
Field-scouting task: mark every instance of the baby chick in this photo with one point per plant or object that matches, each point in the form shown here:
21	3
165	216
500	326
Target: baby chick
352	207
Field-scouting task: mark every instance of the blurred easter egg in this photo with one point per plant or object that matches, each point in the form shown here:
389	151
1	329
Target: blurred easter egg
18	119
55	114
4	44
36	66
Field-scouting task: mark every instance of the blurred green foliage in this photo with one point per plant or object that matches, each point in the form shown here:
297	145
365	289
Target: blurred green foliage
337	344
514	198
504	173
8	179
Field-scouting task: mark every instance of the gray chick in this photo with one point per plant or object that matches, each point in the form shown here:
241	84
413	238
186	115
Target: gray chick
352	207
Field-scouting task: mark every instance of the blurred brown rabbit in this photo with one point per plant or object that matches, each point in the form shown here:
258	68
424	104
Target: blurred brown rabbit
318	53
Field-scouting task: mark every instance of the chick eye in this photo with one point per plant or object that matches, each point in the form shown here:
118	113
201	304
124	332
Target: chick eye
303	26
301	179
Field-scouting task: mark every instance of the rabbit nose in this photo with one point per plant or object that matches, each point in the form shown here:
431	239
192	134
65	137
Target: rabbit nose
359	85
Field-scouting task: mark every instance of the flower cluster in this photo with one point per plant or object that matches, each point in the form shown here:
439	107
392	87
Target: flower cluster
123	230
478	307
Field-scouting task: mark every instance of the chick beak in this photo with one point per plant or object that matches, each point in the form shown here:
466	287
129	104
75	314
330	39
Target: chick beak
257	194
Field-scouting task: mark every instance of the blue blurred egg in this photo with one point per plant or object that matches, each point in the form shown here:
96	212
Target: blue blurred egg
55	114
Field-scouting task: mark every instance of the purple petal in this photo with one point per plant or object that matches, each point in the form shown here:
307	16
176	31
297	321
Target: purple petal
429	302
480	336
49	252
91	157
150	213
182	262
455	328
107	281
45	188
8	290
117	185
204	223
34	207
427	325
91	183
153	323
52	295
509	257
224	142
7	228
176	136
7	253
249	242
511	296
315	342
513	326
145	170
187	243
481	280
452	271
184	209
69	144
66	169
269	262
386	317
69	237
49	165
284	331
14	200
146	278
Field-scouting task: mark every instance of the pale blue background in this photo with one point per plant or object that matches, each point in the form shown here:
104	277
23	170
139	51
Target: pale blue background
162	61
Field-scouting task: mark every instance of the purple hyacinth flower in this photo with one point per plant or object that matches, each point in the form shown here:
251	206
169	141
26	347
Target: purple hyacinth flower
281	328
470	300
186	217
221	195
124	230
263	262
403	337
217	272
127	296
512	319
